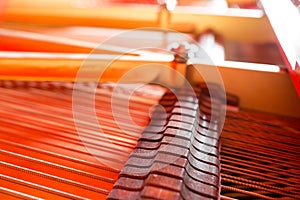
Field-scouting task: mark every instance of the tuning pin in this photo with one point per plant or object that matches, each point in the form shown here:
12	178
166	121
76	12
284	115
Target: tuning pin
183	51
180	52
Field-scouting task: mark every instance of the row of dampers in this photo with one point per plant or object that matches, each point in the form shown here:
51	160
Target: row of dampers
177	158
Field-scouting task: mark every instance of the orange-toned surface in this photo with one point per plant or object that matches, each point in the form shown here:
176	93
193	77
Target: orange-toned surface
75	44
93	13
97	3
53	39
79	39
44	155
